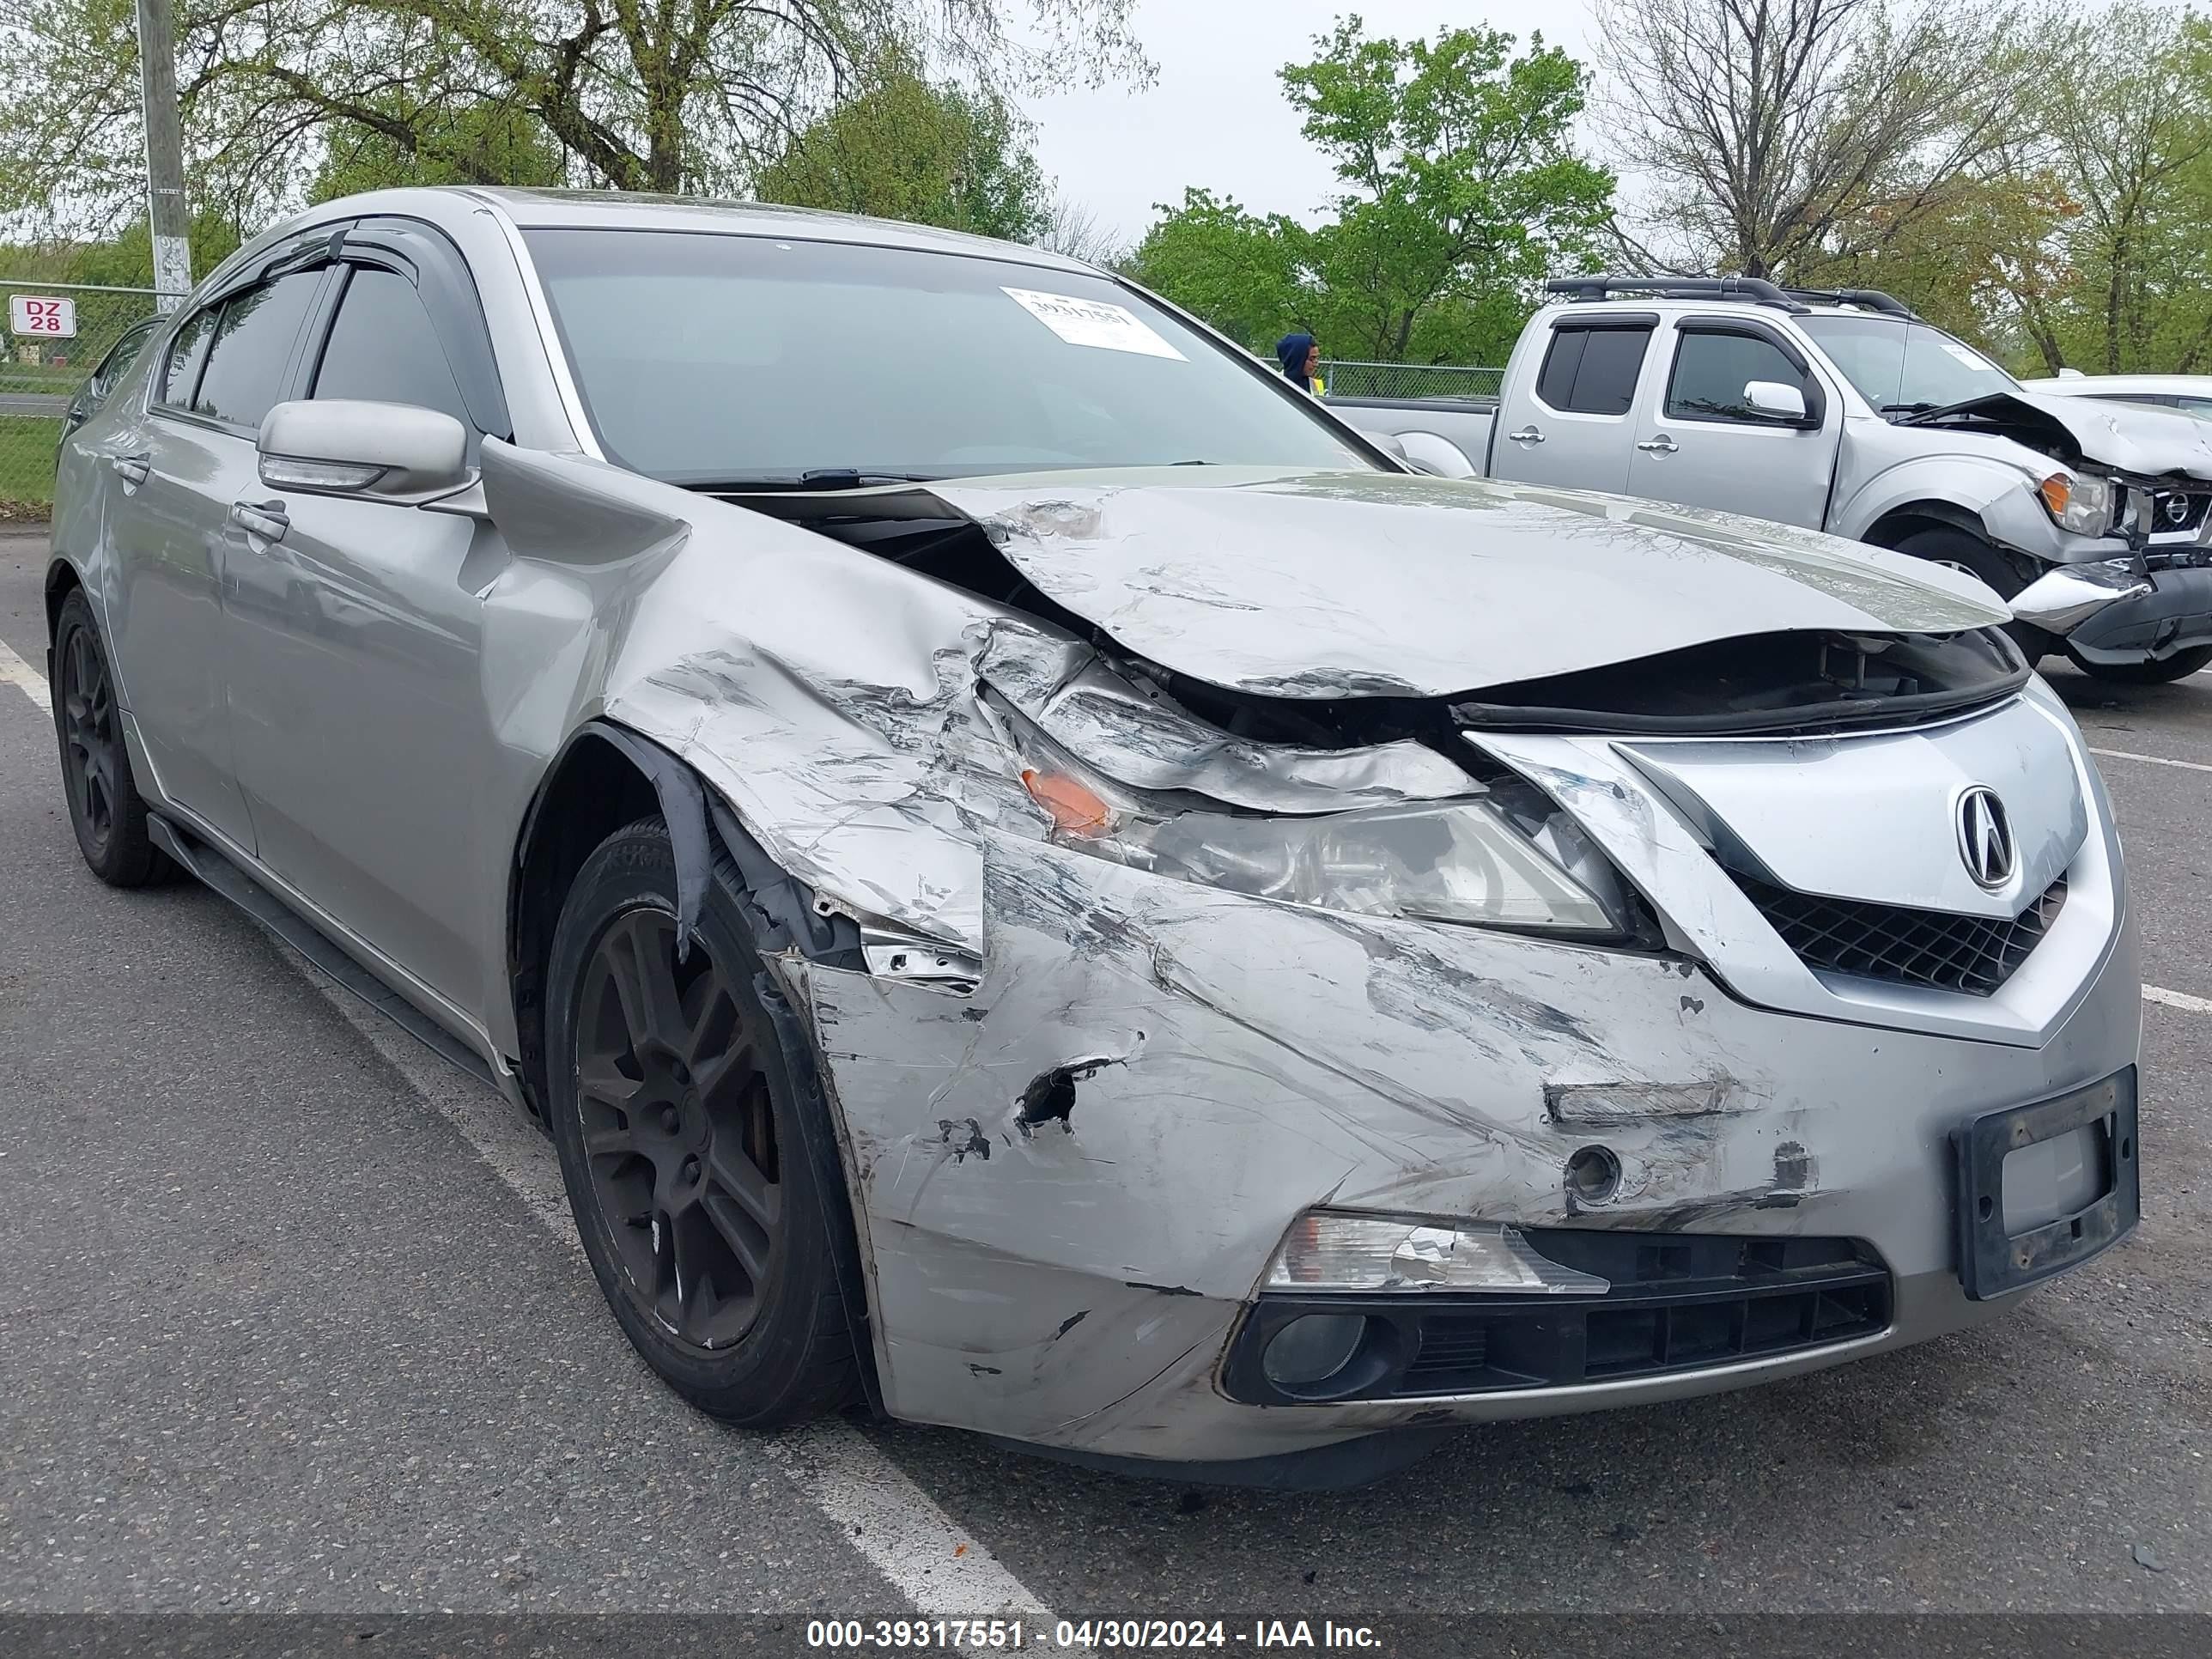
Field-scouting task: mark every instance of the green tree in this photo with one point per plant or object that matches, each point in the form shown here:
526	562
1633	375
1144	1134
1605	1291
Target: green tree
904	149
476	144
2130	128
1463	186
696	97
1464	190
1243	273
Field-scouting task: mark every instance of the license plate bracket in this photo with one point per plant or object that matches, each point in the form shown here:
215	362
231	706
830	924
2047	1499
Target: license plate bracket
1993	1262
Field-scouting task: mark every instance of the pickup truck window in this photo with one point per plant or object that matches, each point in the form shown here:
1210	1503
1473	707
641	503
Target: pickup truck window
723	360
1711	372
1905	368
1592	369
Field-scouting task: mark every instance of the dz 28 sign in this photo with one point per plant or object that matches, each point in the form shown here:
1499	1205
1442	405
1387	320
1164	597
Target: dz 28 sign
41	317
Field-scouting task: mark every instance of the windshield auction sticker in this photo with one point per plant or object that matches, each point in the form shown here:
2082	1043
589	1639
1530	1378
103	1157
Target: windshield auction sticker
1093	323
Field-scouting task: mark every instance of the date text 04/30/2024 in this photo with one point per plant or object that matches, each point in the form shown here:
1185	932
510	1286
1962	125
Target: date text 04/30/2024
1011	1634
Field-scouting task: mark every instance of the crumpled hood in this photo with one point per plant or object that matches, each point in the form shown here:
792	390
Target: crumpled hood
2137	439
1377	584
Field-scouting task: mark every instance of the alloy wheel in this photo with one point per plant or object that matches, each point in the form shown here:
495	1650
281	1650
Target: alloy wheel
89	738
678	1132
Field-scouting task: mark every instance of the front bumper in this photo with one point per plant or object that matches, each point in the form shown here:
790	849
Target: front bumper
2174	616
1074	1278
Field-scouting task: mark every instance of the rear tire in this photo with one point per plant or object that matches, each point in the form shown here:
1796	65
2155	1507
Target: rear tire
674	1108
105	809
2166	670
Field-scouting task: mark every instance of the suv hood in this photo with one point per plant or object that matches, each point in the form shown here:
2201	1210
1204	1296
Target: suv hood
1377	584
2152	445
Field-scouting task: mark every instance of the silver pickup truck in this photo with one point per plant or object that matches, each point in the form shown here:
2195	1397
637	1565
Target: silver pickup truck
1841	410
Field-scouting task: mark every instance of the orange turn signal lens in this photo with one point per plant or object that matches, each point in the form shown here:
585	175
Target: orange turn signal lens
2057	491
1074	808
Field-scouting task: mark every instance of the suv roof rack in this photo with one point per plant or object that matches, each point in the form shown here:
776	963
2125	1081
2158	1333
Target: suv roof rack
1756	289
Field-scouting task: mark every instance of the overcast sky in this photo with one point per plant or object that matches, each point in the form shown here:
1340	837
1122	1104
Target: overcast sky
1216	115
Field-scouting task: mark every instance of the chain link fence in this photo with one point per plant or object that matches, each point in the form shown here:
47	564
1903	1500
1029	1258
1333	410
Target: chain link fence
56	335
1409	380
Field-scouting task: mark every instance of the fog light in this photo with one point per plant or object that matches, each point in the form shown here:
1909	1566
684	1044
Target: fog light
1311	1349
1330	1251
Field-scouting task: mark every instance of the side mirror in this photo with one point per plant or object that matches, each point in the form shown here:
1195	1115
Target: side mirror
381	451
1776	400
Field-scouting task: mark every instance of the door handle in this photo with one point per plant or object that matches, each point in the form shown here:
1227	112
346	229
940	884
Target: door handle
1662	445
263	518
133	470
1527	435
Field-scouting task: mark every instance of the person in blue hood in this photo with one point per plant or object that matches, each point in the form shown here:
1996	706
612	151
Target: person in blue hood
1301	361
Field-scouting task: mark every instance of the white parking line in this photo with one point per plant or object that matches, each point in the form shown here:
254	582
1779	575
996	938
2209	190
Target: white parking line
2159	994
899	1530
17	672
2151	760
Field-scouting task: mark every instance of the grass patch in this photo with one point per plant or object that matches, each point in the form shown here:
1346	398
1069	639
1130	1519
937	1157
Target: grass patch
27	465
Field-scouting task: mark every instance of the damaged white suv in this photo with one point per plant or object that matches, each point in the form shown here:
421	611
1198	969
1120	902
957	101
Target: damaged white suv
1035	876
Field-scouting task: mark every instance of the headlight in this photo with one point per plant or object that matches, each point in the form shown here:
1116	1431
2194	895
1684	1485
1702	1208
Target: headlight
1447	860
2081	505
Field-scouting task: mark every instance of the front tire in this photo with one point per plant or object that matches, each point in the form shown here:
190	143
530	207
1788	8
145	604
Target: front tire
2166	670
1960	549
105	809
675	1111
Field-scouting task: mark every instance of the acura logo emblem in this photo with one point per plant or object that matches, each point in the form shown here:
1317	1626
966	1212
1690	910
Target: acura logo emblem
1985	837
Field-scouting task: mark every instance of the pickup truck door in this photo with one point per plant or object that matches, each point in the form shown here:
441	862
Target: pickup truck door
1699	442
1572	423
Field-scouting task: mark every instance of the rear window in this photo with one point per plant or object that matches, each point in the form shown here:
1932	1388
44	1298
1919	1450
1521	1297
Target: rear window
1592	371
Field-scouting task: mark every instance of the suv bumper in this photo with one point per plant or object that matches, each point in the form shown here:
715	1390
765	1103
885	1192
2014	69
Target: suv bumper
2175	615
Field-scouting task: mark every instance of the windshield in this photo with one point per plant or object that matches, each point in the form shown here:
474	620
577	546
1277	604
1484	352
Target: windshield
1905	368
708	359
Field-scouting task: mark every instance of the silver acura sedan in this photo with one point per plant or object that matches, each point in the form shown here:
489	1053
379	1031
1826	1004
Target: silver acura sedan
1037	878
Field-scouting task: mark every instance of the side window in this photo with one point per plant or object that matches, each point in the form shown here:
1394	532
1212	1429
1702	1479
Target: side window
1711	372
124	353
383	349
251	350
177	374
1592	371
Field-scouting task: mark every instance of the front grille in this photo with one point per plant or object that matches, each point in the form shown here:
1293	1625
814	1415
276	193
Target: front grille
1677	1301
2174	511
1974	955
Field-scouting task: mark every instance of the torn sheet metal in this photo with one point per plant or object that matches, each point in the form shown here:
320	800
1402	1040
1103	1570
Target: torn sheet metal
1230	1062
1374	584
1142	737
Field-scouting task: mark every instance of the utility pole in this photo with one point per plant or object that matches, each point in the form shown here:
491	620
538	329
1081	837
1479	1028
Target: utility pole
167	216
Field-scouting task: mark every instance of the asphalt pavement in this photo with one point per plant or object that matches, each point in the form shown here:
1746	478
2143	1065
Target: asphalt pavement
288	1321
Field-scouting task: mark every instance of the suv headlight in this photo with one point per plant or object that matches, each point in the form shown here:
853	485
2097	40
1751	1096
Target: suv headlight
2081	505
1500	857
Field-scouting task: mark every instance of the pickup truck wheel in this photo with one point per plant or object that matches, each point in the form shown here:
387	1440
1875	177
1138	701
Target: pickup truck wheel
2179	666
1959	550
674	1111
106	809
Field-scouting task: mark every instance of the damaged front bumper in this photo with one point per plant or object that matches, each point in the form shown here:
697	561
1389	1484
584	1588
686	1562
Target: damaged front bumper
2174	616
1072	1182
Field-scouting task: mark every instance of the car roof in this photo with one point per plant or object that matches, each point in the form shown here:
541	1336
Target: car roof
2092	385
606	210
